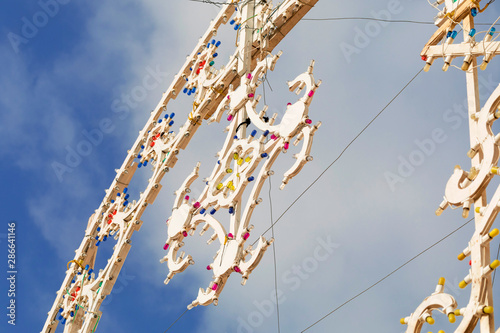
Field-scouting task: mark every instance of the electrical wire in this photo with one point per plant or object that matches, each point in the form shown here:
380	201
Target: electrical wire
342	153
365	18
495	272
176	321
388	275
274	255
381	20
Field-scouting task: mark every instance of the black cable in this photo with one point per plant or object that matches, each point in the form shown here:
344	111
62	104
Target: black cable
342	153
365	18
176	321
380	20
495	272
274	254
212	2
385	277
245	122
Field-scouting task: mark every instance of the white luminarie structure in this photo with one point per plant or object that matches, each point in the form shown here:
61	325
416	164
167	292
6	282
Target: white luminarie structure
260	27
467	188
238	163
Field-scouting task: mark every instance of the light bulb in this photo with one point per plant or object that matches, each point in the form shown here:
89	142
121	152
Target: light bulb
473	173
488	309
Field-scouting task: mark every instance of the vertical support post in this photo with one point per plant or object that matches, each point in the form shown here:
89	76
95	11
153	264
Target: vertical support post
478	260
244	68
246	37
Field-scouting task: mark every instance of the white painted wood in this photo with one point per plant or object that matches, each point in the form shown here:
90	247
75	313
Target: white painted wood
244	161
469	187
161	149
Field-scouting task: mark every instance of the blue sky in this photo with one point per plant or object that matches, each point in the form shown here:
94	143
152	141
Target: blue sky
64	80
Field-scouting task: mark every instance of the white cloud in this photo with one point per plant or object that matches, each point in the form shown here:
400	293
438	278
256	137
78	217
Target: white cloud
377	229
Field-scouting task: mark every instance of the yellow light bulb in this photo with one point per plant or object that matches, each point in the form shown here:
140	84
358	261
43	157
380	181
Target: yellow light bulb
483	65
473	173
465	213
402	321
457	312
220	186
430	320
493	233
495	264
488	309
465	66
461	256
462	284
442	280
439	211
445	67
451	317
427	67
